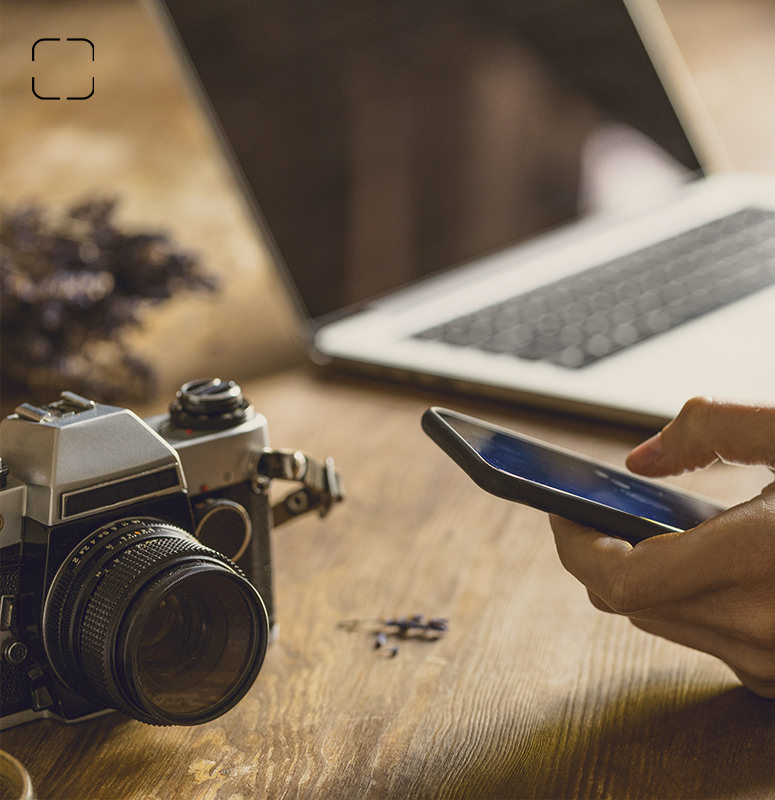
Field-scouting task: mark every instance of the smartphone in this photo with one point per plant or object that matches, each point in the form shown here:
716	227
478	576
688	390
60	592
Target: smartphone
551	479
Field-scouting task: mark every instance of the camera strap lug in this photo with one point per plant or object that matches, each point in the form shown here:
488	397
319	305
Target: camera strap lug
39	694
321	484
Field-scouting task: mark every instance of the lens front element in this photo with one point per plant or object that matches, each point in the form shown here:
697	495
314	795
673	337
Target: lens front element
192	646
144	618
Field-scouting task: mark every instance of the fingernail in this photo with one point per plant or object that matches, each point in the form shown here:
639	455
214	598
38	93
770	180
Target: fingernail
646	453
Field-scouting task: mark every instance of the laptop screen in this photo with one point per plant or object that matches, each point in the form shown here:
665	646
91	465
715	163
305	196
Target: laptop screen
384	141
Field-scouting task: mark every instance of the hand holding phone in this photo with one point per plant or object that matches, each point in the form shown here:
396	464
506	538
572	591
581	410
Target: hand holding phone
712	589
551	479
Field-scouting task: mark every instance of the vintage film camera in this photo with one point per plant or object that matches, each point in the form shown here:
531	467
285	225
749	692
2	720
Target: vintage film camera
136	567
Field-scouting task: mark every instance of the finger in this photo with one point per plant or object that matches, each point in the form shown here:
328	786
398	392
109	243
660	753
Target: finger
688	635
705	430
730	613
752	666
588	555
669	568
764	687
703	611
598	603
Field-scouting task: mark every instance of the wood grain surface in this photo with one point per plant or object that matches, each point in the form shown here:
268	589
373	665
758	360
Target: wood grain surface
532	693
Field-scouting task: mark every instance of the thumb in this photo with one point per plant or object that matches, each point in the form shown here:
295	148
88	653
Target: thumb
706	430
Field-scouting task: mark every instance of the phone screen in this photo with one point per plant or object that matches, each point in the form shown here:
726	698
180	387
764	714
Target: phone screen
575	475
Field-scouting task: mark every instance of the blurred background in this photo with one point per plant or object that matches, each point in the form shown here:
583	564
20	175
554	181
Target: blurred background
148	185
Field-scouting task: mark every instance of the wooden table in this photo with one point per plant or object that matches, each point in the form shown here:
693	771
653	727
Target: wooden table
531	693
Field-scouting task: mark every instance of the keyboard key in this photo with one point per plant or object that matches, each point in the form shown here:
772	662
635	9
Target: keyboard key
590	315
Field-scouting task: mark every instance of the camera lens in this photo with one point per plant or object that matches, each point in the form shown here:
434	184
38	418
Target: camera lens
188	647
144	618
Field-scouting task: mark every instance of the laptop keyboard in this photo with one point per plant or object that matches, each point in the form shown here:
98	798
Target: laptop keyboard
590	315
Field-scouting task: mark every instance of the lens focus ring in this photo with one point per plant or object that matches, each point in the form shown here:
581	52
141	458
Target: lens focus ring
126	574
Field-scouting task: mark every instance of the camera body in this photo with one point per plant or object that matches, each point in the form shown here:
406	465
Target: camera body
116	533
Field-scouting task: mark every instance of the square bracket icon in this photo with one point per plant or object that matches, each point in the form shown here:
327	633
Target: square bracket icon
78	47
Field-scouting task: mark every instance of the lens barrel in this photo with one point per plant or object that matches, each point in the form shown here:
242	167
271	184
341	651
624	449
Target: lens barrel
144	618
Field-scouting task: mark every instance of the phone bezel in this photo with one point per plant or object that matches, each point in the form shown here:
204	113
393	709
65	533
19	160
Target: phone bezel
508	486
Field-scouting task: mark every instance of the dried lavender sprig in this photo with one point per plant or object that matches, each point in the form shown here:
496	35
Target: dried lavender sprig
417	622
430	630
69	282
404	624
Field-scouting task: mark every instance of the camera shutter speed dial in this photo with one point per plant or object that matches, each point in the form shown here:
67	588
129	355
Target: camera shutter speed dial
223	525
209	404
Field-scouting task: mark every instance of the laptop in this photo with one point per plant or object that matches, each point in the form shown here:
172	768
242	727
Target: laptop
498	196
